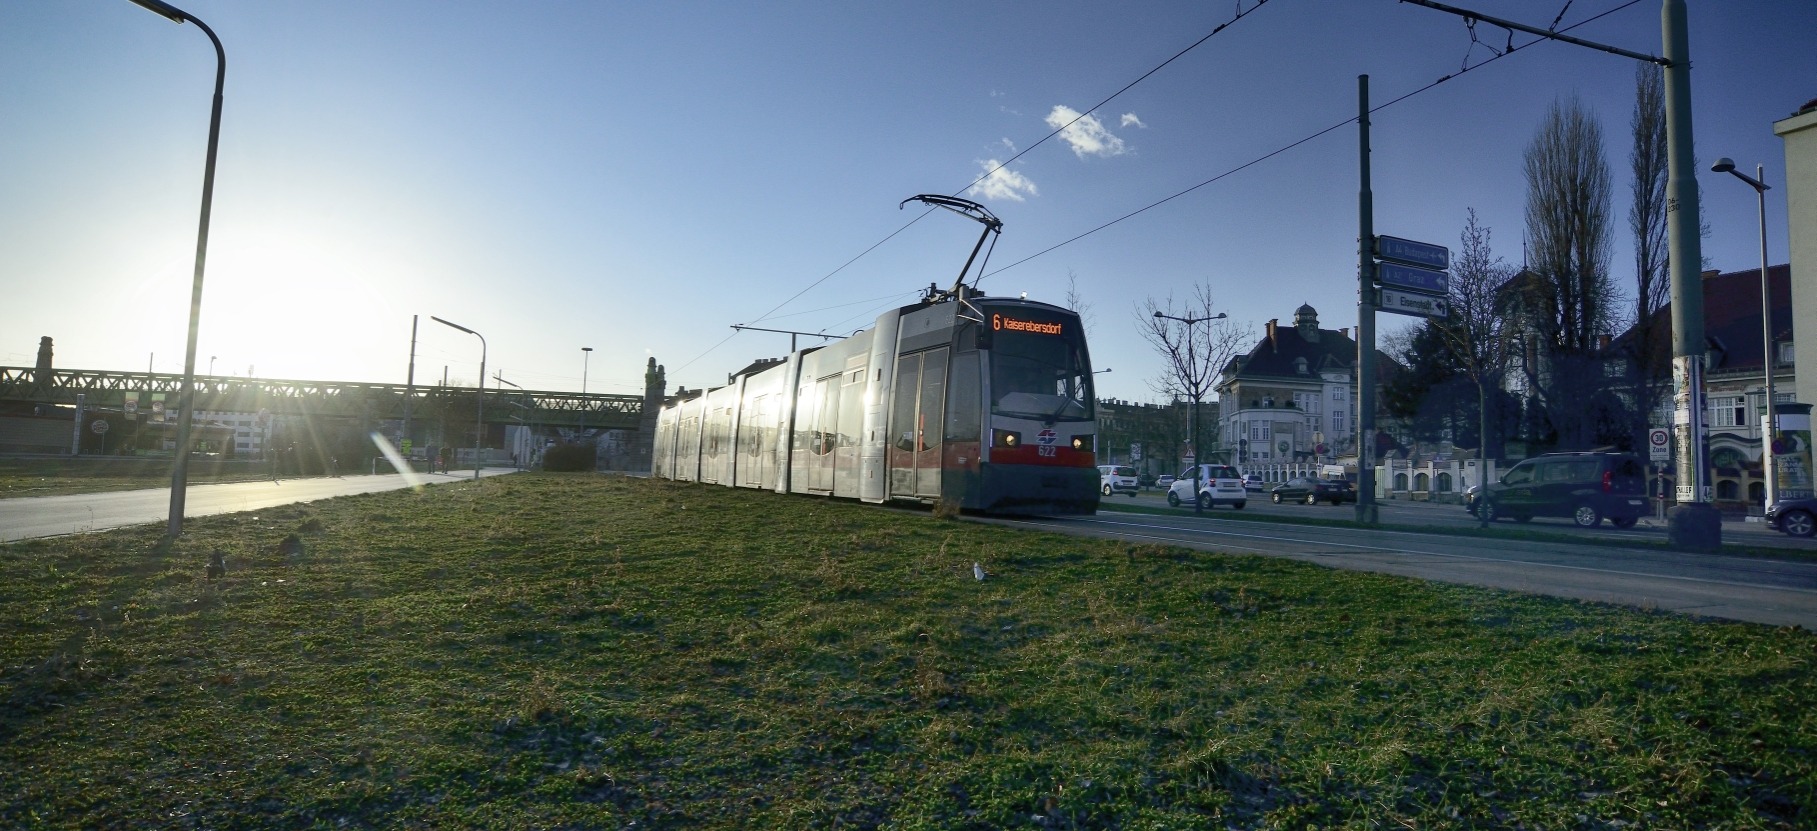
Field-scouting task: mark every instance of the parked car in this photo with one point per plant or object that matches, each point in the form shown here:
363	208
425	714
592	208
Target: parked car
1253	482
1586	487
1313	490
1218	485
1146	480
1796	517
1117	479
1164	481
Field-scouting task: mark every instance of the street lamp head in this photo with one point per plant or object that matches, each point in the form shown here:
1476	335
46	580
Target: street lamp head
1158	314
163	9
586	349
455	325
1220	316
1723	165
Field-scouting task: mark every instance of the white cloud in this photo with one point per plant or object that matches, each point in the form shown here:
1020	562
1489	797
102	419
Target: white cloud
1086	135
1130	118
1002	183
1009	145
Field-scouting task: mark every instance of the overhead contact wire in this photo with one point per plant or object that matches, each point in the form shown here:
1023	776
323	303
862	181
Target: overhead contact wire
1271	154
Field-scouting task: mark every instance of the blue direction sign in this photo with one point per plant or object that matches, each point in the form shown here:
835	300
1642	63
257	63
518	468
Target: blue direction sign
1413	253
1407	277
1417	305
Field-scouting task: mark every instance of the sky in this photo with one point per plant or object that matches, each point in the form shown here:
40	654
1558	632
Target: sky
636	178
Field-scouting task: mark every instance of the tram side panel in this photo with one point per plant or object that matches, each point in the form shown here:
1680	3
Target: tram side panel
716	436
850	432
687	440
662	454
873	472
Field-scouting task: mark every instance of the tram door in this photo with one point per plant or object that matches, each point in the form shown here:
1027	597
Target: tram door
915	423
826	433
750	439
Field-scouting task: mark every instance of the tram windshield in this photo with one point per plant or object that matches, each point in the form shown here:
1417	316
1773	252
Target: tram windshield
1039	369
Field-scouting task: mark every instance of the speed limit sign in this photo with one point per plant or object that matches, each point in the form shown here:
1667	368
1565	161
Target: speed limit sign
1659	444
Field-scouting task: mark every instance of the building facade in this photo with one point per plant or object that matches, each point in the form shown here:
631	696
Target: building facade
1291	398
1799	132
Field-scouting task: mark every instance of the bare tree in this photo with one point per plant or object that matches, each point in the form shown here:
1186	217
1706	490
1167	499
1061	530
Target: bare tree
1479	333
1568	194
1075	300
1572	304
1647	213
1193	355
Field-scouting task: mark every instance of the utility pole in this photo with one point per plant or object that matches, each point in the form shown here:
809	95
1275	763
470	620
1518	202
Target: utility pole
1366	510
1693	523
403	438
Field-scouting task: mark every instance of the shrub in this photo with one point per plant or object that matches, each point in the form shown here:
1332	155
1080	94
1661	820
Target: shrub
569	457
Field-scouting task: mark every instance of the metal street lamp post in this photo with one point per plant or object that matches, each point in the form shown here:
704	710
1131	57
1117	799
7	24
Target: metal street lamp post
586	356
1192	421
479	403
1769	464
179	472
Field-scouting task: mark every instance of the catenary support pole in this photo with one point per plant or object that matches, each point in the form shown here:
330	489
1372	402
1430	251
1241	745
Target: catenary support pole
1366	510
1693	523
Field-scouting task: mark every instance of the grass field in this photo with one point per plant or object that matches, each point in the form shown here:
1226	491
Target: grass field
547	651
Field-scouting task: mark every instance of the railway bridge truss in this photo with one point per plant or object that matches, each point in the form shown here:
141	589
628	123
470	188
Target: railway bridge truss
111	391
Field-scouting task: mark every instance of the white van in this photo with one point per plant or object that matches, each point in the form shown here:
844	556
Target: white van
1118	479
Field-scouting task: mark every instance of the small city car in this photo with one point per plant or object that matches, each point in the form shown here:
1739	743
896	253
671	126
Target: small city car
1164	481
1117	479
1796	517
1312	490
1218	485
1585	487
1253	482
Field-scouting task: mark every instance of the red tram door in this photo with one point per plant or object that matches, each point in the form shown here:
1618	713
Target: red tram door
916	422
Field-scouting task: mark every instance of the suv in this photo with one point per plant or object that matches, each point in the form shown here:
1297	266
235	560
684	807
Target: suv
1253	482
1587	487
1313	490
1218	484
1117	479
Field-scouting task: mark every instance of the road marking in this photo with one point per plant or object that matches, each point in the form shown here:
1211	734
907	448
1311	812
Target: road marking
1442	554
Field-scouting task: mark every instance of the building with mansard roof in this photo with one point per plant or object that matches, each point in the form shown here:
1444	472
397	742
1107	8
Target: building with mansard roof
1292	398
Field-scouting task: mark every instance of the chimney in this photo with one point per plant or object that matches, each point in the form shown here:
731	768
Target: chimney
1271	342
1344	331
42	375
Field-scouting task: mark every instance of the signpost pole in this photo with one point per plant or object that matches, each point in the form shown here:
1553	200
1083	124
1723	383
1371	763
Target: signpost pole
1366	511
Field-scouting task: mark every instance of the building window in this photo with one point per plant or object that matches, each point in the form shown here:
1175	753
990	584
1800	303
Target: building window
1728	411
1337	422
1299	365
1785	352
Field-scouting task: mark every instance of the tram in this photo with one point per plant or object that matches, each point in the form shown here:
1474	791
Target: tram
982	402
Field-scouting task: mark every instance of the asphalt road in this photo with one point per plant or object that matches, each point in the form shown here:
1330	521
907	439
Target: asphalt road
48	516
1441	515
1774	592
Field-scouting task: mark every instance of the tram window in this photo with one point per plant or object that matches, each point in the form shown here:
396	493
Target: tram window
1040	375
902	419
963	399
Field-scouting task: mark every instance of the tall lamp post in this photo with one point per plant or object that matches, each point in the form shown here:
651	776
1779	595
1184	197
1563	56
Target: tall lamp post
479	403
1192	421
1770	432
179	471
586	356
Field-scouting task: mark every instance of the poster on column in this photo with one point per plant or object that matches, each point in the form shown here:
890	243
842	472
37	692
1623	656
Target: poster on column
1792	452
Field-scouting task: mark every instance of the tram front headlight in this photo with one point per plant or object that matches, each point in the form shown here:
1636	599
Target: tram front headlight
1006	438
1082	442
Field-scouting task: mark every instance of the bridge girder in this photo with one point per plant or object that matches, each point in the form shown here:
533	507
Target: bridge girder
329	399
